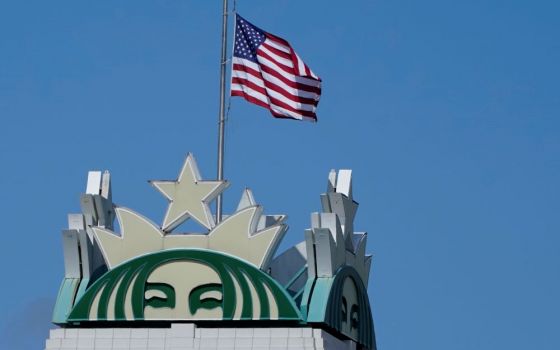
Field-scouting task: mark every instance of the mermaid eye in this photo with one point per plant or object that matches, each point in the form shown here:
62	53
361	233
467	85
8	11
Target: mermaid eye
159	295
354	321
206	296
344	310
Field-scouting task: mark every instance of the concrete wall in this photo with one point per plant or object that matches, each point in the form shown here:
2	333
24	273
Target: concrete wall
186	336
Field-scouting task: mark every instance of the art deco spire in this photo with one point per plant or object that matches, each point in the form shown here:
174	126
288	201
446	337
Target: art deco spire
331	241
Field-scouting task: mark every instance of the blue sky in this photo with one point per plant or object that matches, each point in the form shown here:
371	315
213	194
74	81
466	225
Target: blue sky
448	113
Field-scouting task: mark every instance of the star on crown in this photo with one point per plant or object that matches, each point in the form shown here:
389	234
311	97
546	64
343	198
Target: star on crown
189	197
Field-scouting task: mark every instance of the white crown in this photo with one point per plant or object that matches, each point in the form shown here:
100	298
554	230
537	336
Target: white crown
246	234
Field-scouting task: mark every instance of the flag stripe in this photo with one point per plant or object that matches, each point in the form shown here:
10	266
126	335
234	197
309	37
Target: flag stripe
276	112
298	90
257	97
274	68
301	66
267	102
278	44
255	69
271	101
290	82
274	57
276	93
277	52
245	72
264	58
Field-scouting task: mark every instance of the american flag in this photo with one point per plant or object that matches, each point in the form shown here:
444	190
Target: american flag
267	72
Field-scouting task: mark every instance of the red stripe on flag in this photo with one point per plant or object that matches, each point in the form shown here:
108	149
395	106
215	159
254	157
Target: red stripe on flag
289	70
250	98
262	104
271	86
278	40
299	86
276	51
277	75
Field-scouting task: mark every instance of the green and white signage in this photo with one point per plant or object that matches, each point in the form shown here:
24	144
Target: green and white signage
228	272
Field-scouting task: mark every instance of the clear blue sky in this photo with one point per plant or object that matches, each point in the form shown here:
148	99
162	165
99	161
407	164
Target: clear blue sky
447	111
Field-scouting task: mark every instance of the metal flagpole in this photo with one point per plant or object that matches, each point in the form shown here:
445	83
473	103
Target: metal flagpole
221	117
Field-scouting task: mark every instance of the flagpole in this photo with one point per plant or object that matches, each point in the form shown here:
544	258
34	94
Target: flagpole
221	117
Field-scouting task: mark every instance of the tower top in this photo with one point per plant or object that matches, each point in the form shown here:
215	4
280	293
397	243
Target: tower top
226	272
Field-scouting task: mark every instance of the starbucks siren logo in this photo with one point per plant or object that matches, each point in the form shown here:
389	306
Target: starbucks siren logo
228	272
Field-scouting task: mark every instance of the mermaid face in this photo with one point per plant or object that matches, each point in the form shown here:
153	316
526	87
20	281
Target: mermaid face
185	284
183	290
350	309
